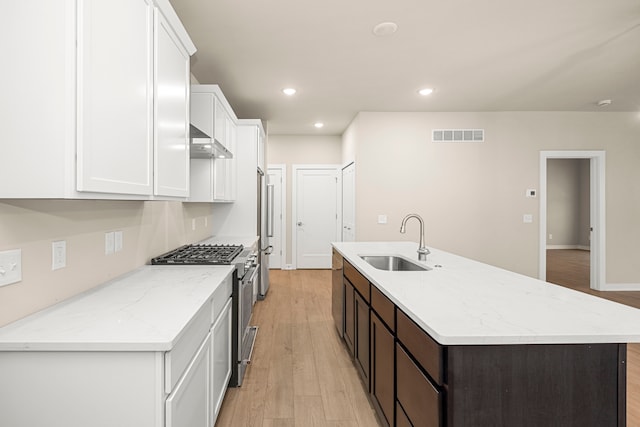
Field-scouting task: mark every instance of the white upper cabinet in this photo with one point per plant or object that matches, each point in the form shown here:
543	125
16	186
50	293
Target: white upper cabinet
171	130
96	102
115	96
213	180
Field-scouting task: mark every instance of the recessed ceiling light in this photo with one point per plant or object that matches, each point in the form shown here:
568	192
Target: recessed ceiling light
426	91
385	29
289	91
318	125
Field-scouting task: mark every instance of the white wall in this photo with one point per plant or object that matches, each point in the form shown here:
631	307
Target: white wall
301	149
472	195
149	228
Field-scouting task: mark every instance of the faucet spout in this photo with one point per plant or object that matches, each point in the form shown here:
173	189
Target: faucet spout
422	250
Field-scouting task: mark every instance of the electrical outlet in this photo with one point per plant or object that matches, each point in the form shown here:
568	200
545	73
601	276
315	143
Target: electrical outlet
109	243
527	218
550	236
531	193
58	254
10	267
117	241
382	219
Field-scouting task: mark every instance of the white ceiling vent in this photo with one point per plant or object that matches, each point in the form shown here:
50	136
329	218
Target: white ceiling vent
457	135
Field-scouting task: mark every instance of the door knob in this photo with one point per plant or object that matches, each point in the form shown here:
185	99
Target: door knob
299	223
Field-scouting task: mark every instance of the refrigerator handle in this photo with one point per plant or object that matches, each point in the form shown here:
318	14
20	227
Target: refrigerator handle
270	210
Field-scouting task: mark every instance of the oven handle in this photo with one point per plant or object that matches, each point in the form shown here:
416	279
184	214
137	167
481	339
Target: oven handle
255	272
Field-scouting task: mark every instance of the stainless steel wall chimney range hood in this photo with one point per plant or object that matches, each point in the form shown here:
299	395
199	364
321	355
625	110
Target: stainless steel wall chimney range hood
205	147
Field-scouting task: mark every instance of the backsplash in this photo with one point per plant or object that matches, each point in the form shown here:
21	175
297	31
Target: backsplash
147	228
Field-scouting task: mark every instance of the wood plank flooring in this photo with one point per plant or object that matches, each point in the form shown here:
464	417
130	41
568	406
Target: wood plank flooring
302	375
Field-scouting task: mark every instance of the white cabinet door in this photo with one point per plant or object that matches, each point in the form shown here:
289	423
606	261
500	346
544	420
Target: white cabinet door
221	360
189	402
220	123
115	96
171	136
231	176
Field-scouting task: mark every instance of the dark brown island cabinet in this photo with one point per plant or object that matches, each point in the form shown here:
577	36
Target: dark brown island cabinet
413	381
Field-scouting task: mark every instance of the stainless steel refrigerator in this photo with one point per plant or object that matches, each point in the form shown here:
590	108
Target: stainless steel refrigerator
265	227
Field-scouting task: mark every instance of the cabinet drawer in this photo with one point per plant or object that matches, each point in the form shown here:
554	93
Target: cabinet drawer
220	297
188	404
419	399
358	281
178	358
423	348
384	307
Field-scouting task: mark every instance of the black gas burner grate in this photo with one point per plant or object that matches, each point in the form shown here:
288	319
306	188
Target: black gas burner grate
200	254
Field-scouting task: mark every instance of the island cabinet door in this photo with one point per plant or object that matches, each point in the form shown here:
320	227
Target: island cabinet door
416	396
362	338
382	369
349	318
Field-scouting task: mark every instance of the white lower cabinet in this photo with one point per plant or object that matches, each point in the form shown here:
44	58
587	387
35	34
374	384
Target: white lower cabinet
189	404
77	385
221	360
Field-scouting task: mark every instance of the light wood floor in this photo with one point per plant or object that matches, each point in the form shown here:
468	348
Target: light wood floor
302	375
570	268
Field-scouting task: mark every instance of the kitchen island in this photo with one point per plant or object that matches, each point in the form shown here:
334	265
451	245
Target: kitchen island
468	344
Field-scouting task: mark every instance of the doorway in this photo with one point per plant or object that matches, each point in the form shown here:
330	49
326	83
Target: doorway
596	215
276	217
315	214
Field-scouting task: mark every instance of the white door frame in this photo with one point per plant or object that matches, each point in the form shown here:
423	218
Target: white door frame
283	209
597	212
294	201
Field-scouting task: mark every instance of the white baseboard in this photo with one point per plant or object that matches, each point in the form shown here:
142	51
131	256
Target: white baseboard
582	248
621	287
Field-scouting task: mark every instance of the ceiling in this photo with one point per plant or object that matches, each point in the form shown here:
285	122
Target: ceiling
479	55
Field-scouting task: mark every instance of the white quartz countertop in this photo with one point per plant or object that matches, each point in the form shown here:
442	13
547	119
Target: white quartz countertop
145	310
461	301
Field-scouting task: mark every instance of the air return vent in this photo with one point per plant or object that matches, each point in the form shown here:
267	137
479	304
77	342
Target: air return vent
457	135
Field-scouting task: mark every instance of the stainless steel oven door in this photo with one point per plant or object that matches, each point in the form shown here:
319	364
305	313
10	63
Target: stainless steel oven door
246	333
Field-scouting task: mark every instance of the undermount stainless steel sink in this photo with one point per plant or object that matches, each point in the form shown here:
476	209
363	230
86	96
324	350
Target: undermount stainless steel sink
393	263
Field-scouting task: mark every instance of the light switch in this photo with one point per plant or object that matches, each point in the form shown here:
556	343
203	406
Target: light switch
109	243
117	243
382	219
10	267
527	218
58	254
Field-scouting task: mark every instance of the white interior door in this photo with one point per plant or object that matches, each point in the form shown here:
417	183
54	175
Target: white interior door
275	214
349	203
315	218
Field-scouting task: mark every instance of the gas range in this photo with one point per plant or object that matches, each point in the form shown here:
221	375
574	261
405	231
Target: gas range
209	254
200	254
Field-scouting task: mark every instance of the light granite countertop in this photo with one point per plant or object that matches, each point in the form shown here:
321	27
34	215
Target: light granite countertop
465	302
144	310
